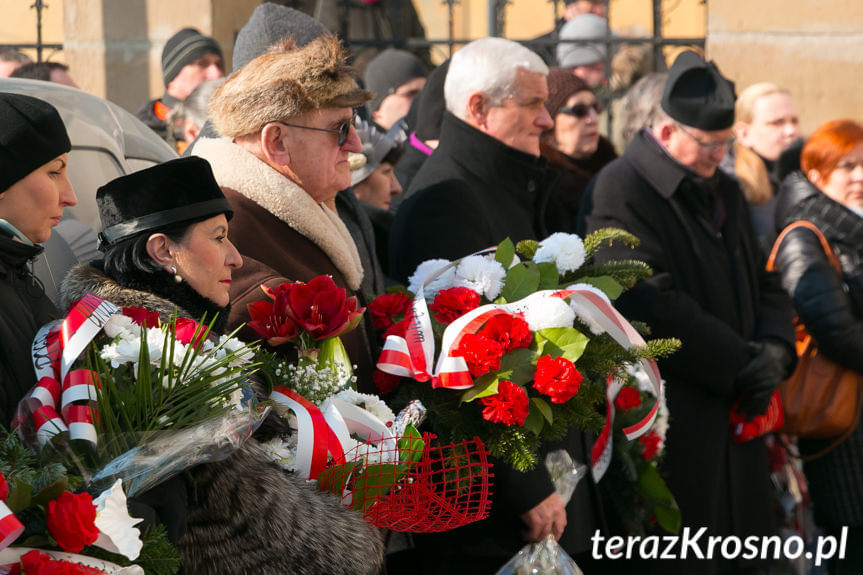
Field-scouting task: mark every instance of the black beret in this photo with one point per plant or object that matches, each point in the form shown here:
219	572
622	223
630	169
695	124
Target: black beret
698	95
31	135
182	190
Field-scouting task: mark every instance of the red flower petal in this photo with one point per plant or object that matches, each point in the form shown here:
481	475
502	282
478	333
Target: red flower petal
452	303
557	378
508	406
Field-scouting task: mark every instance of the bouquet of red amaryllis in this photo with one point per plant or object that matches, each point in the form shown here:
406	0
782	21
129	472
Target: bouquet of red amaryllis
351	443
517	345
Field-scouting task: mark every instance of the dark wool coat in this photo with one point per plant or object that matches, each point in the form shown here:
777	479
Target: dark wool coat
710	290
245	514
473	192
831	308
314	243
24	308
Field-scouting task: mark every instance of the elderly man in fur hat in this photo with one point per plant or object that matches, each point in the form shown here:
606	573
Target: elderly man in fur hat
286	124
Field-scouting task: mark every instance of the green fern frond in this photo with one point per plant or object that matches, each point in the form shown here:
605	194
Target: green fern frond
625	272
606	237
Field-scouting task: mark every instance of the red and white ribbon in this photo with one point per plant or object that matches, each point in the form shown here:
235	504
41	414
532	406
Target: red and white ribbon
10	527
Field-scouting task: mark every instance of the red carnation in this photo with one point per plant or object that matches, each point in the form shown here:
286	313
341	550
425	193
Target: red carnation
650	441
507	406
36	563
386	308
385	382
397	328
71	520
187	329
481	354
143	317
450	304
322	309
510	331
557	378
627	398
4	488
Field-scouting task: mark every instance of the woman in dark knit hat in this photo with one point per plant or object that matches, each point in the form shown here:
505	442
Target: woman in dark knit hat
34	190
574	148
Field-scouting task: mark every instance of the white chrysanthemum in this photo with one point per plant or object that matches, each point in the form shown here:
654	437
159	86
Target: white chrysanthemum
587	316
566	251
371	403
281	452
233	345
427	268
481	275
120	324
548	312
127	349
117	531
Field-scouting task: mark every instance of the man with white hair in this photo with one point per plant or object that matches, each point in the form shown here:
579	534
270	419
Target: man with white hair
485	182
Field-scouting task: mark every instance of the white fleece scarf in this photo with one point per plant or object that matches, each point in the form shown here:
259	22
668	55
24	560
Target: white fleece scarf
240	170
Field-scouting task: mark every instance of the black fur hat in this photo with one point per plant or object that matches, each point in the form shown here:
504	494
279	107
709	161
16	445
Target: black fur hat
698	95
31	135
166	194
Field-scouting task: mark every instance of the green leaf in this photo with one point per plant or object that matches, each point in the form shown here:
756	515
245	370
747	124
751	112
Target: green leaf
565	342
656	492
543	408
505	252
411	445
534	421
19	496
607	284
549	278
333	479
50	492
518	366
375	481
483	386
521	281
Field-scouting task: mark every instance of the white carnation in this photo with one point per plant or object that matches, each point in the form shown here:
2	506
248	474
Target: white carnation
371	403
588	316
281	452
482	275
566	251
427	268
547	313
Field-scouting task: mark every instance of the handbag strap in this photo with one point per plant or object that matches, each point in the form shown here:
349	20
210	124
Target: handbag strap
839	439
834	261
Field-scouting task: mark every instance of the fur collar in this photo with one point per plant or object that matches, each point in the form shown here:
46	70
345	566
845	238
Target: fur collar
241	171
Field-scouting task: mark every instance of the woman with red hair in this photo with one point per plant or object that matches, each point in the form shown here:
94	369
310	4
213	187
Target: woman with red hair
829	193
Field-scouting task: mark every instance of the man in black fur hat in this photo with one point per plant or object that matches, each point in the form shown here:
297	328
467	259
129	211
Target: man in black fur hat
710	290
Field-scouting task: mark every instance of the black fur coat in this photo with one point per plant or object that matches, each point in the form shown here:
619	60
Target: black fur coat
250	517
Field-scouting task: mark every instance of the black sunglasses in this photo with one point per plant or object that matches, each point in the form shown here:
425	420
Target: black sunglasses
581	110
343	130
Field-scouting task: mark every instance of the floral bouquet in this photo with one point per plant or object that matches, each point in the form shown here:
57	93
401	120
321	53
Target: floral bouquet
41	513
351	443
529	344
140	399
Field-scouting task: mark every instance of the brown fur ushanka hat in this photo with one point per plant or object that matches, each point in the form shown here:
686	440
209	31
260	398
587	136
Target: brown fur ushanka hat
284	83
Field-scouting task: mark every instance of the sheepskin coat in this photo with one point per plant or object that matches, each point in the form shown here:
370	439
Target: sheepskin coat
283	235
246	515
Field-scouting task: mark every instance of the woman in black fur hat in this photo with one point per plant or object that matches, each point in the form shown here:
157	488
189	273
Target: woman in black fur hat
165	242
34	190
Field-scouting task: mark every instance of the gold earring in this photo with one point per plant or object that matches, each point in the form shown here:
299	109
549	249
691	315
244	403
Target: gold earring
177	277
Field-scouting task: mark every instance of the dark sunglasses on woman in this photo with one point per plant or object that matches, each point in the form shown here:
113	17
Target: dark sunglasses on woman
581	110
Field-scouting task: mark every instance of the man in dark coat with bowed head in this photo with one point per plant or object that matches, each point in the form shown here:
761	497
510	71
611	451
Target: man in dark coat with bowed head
485	182
710	290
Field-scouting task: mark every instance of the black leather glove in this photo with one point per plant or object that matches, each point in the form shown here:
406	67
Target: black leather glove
761	376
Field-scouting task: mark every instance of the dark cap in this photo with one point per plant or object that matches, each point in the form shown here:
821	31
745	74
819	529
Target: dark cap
698	95
268	26
432	104
183	48
389	70
562	84
32	135
182	190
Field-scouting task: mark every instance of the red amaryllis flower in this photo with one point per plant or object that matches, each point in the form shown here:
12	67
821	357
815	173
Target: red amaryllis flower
650	441
557	378
322	309
452	303
385	382
627	398
510	331
270	319
71	520
386	308
4	487
507	406
187	329
142	316
481	354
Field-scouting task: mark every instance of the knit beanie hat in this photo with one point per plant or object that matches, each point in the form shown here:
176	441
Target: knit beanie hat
584	27
183	48
389	70
432	104
698	95
32	134
270	24
562	84
177	191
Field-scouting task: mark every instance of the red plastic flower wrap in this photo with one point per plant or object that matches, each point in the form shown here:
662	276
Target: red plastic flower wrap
450	304
510	331
627	398
557	378
4	488
481	354
388	309
507	406
71	520
37	563
744	429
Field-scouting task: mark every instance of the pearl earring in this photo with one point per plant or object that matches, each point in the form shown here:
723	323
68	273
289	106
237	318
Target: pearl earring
177	277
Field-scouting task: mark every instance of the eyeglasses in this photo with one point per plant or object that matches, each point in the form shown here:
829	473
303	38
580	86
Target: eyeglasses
343	130
708	146
581	110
